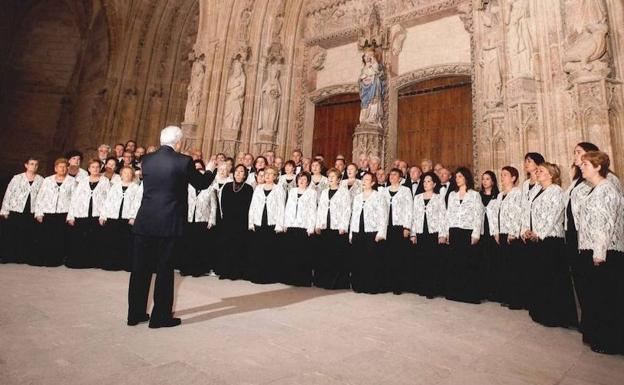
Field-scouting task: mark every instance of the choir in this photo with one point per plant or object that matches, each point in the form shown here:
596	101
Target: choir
419	229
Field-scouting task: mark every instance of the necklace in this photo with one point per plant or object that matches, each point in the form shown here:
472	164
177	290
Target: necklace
234	187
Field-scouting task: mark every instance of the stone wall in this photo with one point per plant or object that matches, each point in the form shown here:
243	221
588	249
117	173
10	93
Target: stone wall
76	73
243	75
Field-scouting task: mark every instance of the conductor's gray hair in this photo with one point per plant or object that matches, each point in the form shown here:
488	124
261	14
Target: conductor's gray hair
170	136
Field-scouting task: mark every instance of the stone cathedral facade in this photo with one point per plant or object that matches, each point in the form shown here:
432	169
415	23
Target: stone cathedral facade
245	75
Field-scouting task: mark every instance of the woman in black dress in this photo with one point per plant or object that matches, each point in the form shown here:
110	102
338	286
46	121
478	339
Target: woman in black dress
266	220
490	266
574	195
351	182
462	229
287	180
396	262
122	203
234	202
299	221
551	299
427	221
505	226
331	268
85	234
369	223
196	259
51	209
17	209
601	245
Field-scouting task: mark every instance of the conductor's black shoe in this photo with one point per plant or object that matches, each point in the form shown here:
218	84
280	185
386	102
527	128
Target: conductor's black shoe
136	321
168	323
602	350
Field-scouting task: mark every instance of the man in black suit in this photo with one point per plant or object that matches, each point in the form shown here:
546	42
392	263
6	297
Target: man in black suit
446	184
158	227
414	182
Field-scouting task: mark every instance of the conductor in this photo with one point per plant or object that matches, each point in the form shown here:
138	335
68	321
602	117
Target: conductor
158	227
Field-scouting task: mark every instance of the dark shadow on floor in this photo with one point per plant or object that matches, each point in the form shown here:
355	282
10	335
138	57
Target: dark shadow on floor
252	302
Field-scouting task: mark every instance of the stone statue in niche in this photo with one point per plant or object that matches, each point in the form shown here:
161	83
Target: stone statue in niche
520	42
371	84
585	49
490	60
234	95
194	88
397	37
270	100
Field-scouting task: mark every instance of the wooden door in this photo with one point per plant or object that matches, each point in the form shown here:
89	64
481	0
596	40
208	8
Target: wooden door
335	119
435	122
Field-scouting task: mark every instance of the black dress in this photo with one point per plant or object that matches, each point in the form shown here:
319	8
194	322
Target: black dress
85	240
195	256
263	266
52	247
603	318
215	251
489	263
520	266
296	257
17	243
118	238
395	263
427	275
366	276
578	266
462	275
508	277
331	268
234	235
552	297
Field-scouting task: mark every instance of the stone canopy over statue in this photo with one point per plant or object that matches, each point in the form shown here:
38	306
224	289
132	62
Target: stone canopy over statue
371	84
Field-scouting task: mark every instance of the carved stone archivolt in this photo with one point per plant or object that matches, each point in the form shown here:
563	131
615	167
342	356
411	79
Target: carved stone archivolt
453	69
324	93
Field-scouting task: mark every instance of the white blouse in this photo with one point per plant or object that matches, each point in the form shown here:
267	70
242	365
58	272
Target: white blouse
131	200
339	210
402	205
300	212
435	211
489	212
545	213
322	184
616	182
375	214
507	213
79	206
467	214
54	199
202	207
115	178
17	193
355	189
285	184
573	195
275	202
601	220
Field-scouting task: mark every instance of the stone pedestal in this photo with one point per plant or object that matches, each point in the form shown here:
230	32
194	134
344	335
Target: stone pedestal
369	140
229	143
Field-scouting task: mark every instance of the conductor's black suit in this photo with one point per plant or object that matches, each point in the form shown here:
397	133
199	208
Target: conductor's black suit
158	226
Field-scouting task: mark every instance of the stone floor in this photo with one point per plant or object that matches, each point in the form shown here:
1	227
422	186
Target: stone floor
61	326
